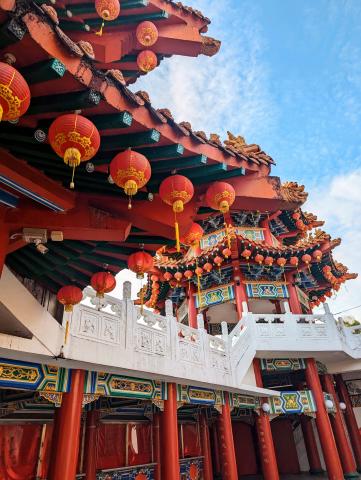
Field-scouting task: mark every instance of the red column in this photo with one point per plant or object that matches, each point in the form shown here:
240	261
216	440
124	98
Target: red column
328	445
264	434
266	232
156	445
349	416
216	455
295	305
206	448
69	429
54	443
344	449
228	455
311	445
240	293
90	448
170	450
192	310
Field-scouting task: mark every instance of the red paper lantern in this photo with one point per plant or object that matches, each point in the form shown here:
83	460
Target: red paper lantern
198	271
107	9
218	261
167	276
300	225
147	61
220	196
294	261
69	296
147	33
246	254
14	93
75	139
103	282
259	258
207	267
306	258
317	255
326	269
193	236
176	191
268	261
281	261
296	216
328	294
227	252
140	263
188	274
178	276
130	171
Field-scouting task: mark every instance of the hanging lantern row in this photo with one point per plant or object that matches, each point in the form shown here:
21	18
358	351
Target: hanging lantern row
155	289
14	93
147	35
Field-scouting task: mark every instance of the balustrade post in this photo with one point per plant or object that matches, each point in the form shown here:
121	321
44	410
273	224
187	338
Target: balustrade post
69	429
169	430
192	309
346	457
327	440
349	416
228	456
4	243
264	434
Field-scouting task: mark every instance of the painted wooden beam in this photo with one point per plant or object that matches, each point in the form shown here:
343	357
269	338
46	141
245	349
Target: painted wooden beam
112	121
166	151
30	182
11	32
84	8
64	102
43	71
8	199
115	142
237	172
179	163
131	19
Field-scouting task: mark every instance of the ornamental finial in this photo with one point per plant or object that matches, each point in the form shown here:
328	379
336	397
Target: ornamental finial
237	143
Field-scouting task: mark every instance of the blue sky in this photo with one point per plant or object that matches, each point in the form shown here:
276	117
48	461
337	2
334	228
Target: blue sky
288	77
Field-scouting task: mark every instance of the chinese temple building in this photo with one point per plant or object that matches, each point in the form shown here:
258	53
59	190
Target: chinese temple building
223	367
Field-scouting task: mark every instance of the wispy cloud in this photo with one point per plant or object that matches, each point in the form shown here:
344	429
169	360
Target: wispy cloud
228	91
339	203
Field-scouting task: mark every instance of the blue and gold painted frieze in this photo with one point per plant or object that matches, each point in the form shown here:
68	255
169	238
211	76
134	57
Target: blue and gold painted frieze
215	295
112	385
291	402
128	473
33	376
267	290
282	364
237	400
248	233
191	468
199	395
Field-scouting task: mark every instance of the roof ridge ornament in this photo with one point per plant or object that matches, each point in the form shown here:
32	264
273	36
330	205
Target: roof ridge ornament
292	192
236	142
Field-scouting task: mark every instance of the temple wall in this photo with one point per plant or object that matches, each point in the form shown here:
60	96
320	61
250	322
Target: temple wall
357	411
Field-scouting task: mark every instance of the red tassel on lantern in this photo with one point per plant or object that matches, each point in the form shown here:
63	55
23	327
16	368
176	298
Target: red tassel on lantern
14	93
103	282
130	171
176	191
75	139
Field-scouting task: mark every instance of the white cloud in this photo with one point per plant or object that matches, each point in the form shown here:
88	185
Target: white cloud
227	91
339	204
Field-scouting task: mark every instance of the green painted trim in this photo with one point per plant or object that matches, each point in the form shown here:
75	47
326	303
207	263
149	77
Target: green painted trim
184	162
43	71
116	142
133	58
64	102
167	151
112	121
237	172
82	8
129	19
7	37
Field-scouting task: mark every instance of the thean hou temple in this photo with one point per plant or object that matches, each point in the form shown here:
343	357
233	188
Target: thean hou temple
219	368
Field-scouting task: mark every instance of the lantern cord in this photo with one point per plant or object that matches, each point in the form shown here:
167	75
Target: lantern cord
227	234
199	289
66	330
130	202
100	31
72	178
